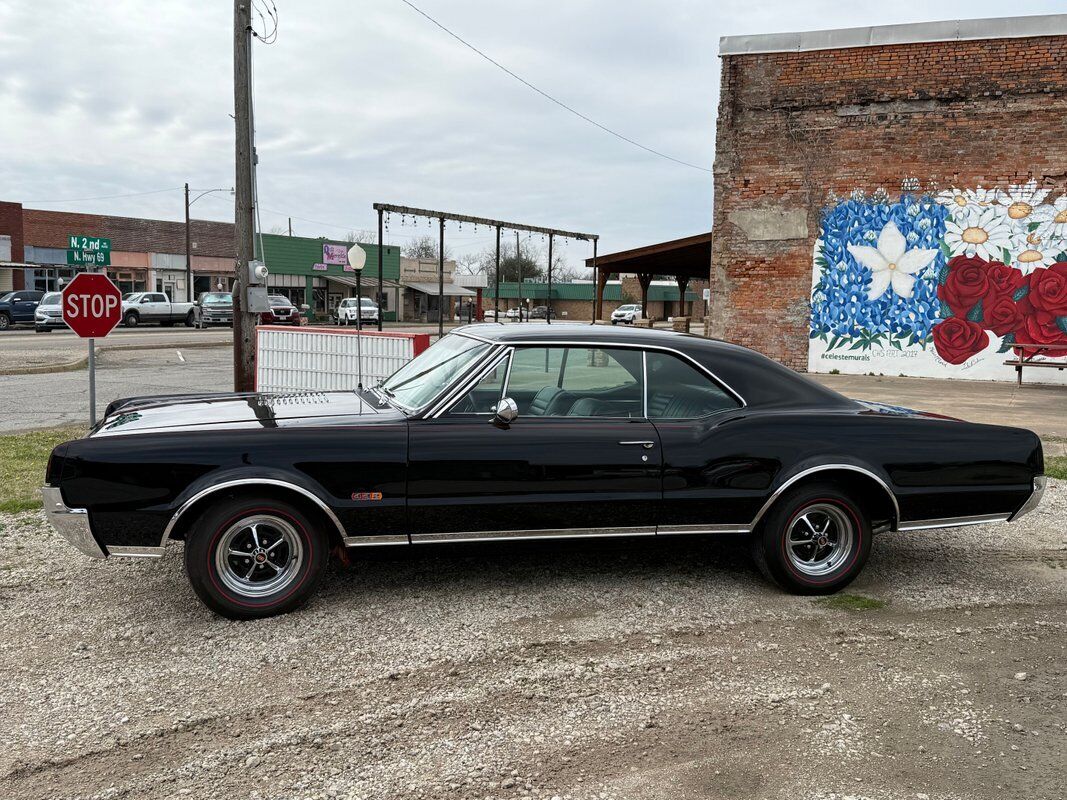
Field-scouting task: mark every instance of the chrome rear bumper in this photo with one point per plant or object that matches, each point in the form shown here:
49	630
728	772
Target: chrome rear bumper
72	523
1040	482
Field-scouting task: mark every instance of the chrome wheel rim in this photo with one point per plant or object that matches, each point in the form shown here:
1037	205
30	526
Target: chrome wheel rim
819	539
259	555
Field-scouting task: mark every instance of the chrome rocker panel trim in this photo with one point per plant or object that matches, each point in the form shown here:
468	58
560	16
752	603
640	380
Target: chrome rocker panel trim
123	551
952	522
71	523
547	533
255	482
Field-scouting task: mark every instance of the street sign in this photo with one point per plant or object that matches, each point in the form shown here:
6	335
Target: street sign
89	258
93	251
92	305
75	242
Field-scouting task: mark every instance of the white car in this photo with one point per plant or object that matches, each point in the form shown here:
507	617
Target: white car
352	309
513	313
627	313
49	313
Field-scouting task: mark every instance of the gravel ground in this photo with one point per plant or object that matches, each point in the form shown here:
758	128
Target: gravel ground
662	669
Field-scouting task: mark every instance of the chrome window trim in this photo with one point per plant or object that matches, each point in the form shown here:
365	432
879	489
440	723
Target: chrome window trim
1040	483
823	468
250	482
456	392
952	522
635	346
644	380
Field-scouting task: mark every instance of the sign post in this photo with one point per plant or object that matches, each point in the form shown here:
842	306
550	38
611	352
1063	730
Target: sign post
92	307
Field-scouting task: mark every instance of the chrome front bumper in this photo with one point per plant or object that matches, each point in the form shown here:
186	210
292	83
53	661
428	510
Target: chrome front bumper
1040	482
72	523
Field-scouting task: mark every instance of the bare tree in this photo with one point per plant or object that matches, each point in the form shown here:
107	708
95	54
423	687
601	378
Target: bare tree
361	237
424	247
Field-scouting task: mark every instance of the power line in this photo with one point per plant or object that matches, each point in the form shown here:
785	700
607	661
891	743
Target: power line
549	97
105	196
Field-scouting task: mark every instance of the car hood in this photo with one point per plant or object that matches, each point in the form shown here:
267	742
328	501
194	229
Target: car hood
179	413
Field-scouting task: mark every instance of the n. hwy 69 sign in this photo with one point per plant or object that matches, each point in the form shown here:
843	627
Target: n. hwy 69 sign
92	305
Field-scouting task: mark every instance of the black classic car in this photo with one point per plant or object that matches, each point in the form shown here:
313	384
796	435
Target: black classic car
515	432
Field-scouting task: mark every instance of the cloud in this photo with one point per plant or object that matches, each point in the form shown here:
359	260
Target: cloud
364	102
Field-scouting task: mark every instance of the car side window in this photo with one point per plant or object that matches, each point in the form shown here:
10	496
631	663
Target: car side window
576	382
482	399
678	390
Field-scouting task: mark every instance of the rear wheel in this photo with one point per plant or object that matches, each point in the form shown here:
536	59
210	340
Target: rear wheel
190	319
814	540
254	557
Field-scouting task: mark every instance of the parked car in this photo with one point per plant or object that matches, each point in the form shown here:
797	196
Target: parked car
142	308
516	313
541	312
18	308
352	308
627	313
213	308
49	313
282	312
572	431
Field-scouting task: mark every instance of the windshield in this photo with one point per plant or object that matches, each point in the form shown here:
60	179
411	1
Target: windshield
217	298
278	300
7	297
420	380
52	299
366	301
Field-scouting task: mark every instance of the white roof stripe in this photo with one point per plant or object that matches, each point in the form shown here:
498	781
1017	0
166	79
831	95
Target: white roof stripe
951	30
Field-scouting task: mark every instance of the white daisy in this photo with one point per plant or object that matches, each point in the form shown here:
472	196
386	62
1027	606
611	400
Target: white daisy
961	198
1022	199
1032	250
891	262
1054	228
979	231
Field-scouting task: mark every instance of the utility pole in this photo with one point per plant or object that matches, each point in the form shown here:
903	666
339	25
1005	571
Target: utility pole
548	311
290	227
188	251
518	261
381	291
244	324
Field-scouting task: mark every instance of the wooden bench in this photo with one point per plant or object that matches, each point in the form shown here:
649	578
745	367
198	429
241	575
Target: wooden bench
1025	353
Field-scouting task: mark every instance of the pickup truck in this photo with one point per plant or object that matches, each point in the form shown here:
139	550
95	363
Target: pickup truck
18	307
140	308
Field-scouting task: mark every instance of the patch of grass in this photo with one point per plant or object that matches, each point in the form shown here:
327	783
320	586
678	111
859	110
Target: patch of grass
23	458
1056	467
851	602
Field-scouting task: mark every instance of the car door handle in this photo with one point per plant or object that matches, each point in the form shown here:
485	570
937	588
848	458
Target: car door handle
646	445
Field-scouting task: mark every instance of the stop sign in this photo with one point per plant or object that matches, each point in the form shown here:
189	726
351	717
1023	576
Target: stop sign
92	305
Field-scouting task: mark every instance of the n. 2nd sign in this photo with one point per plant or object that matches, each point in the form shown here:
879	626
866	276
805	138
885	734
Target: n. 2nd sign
92	305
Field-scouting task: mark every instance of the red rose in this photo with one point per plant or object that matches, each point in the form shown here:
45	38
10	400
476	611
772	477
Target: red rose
1001	314
957	339
1003	280
966	284
1048	289
1040	328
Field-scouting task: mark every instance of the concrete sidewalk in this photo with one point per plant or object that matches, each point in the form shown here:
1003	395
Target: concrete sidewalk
1042	409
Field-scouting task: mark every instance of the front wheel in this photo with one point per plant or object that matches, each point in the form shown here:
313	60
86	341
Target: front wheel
814	540
254	557
5	322
131	320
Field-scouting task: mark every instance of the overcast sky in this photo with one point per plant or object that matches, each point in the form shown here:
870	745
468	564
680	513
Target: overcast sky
362	101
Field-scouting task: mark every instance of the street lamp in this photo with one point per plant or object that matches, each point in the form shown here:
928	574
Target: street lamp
189	239
357	259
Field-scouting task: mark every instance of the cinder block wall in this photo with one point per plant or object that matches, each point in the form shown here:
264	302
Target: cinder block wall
794	126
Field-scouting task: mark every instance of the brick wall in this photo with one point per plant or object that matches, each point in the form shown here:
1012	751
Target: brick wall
11	225
794	126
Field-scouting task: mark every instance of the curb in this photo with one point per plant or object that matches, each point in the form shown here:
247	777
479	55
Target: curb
82	362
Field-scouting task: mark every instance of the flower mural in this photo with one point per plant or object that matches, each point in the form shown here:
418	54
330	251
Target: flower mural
950	274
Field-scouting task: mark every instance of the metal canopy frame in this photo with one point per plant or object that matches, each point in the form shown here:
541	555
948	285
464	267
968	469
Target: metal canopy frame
499	224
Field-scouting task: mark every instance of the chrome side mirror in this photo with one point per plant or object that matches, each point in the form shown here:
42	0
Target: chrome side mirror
506	411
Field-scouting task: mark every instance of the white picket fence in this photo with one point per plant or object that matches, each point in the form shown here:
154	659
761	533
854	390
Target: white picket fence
327	359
